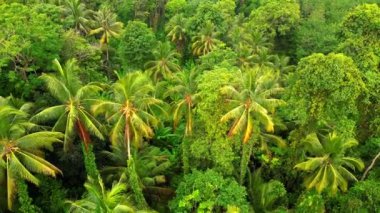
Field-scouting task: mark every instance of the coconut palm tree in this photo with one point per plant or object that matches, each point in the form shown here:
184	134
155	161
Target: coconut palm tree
131	110
184	93
253	102
256	41
165	62
326	164
244	53
206	40
107	24
79	14
21	152
263	58
98	199
71	115
176	31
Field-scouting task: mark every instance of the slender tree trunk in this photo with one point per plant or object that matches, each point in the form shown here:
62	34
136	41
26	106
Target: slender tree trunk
185	155
83	134
127	136
246	155
370	166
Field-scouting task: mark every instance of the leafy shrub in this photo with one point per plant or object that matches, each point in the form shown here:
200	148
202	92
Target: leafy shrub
208	191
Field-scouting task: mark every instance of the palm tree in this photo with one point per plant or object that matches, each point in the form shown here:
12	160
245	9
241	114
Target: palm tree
71	115
206	40
176	31
262	58
165	62
281	63
253	103
327	164
107	25
21	152
244	53
77	11
264	195
99	199
184	94
257	41
131	110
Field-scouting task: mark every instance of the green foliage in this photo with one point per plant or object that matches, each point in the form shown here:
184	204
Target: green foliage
192	95
174	7
266	196
316	33
360	31
86	55
133	180
208	192
363	197
52	189
90	162
99	199
326	88
310	201
26	38
210	146
136	45
209	11
219	58
25	202
28	90
275	18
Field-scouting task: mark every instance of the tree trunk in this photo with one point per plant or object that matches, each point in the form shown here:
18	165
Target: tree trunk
127	136
370	166
83	134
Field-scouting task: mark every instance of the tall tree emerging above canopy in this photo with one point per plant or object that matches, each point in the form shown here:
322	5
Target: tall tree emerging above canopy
325	88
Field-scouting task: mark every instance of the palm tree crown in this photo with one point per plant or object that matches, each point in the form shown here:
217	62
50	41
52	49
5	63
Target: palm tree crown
184	93
131	110
327	164
206	40
176	31
99	199
165	62
77	11
107	25
20	151
71	114
253	100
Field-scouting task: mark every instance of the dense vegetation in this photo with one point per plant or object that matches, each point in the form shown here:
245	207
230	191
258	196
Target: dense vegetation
189	106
